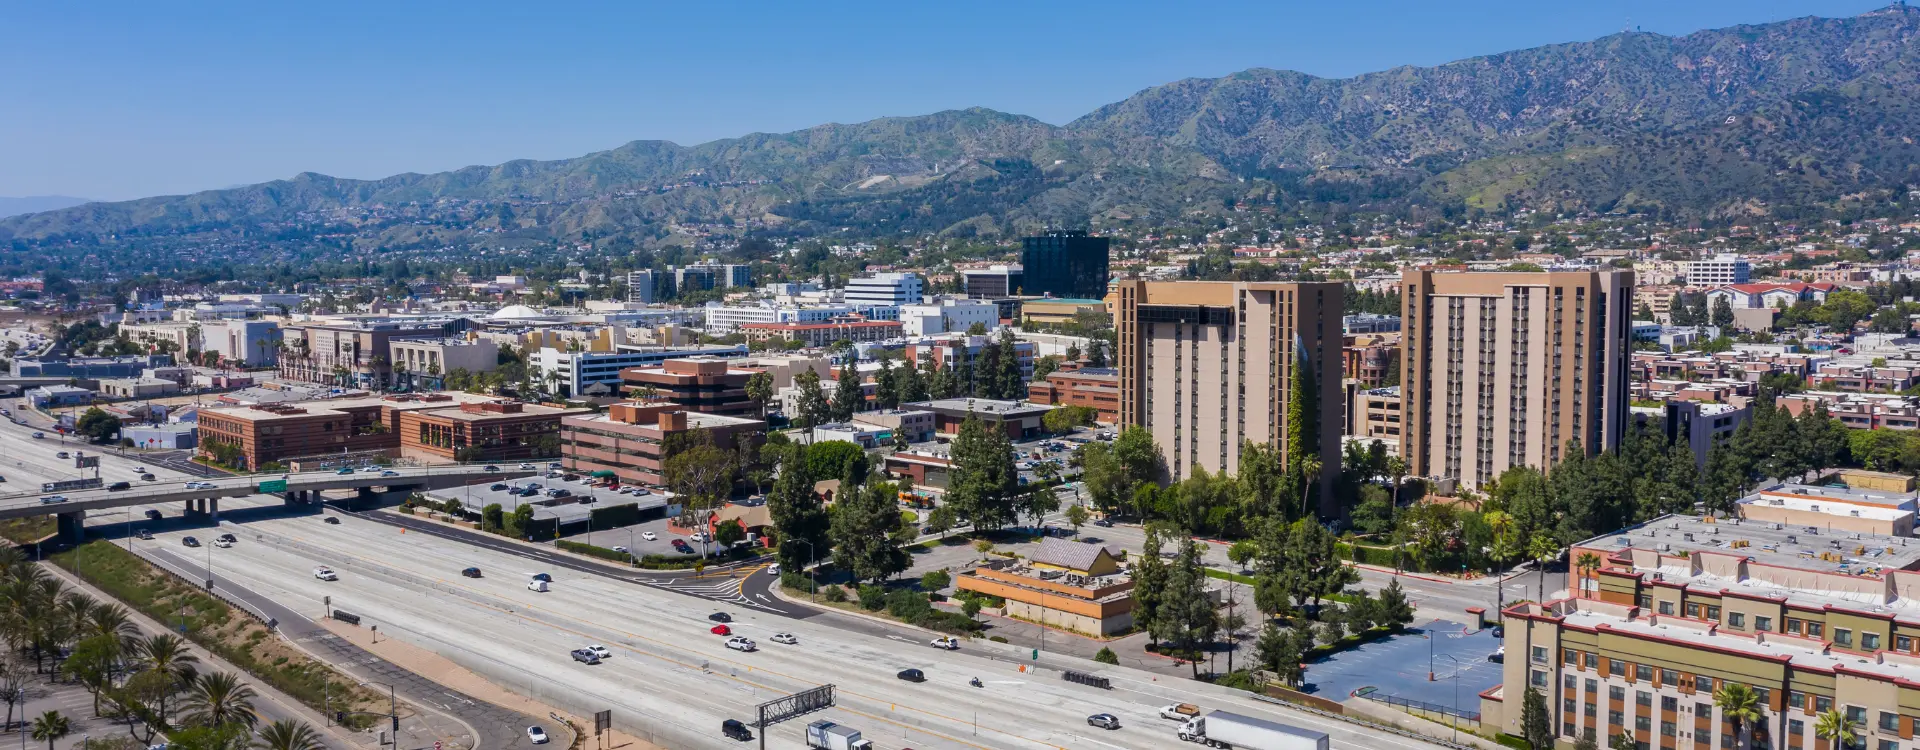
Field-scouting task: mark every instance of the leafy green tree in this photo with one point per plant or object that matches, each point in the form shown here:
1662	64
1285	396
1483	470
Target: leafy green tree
726	533
848	397
92	663
1077	516
862	528
940	520
493	518
1722	312
983	483
1045	366
1106	656
1587	741
520	522
800	520
97	425
1536	726
935	580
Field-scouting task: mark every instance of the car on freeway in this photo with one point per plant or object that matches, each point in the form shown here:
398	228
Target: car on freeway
786	638
491	468
344	470
471	572
912	675
152	515
389	473
649	536
1104	721
733	729
538	586
721	630
139	469
148	477
199	485
325	573
371	470
222	543
190	541
600	651
543	577
335	520
145	535
537	735
526	467
720	617
119	486
229	538
585	656
51	499
39	436
947	642
739	643
554	465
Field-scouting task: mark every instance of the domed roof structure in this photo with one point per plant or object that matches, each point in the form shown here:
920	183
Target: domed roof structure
516	312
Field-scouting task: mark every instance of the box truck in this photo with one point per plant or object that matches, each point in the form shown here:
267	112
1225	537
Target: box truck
826	735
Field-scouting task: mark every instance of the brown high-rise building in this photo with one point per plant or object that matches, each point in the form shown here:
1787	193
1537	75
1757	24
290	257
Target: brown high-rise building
1506	369
1206	366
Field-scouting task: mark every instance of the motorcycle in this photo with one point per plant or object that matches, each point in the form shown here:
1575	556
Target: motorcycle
975	682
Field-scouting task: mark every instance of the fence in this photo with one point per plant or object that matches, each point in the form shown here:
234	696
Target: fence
1449	715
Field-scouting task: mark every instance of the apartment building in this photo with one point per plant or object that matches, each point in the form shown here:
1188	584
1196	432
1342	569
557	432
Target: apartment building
357	353
951	350
1374	414
176	336
1701	424
635	440
429	360
1811	619
822	334
1855	377
1207	366
948	315
1509	369
1372	359
702	384
1096	388
1860	411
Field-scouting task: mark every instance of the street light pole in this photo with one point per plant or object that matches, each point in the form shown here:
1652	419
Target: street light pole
1455	716
393	708
812	586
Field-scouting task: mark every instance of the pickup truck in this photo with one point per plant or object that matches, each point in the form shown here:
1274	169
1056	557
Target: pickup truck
1179	711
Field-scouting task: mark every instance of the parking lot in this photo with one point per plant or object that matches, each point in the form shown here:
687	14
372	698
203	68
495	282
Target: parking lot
1397	666
568	501
634	537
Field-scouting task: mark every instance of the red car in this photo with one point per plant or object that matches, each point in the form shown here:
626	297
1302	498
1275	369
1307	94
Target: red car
722	630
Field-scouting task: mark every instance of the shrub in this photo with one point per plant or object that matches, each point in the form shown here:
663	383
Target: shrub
836	593
935	580
908	605
997	639
794	579
1239	679
592	550
1106	656
872	597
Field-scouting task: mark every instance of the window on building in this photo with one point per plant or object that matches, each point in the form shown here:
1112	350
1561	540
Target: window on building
1816	630
1569	656
1539	678
1667	729
1593	660
1889	745
1857	715
1567	682
1713	612
1616	666
1592	687
1889	721
1591	710
1702	683
1669	703
1566	729
1642	723
1763	624
1693	610
1763	695
1843	637
1796	699
1822	704
1643	672
1796	727
1568	704
1616	692
1643	698
1616	718
1903	643
1644	600
1539	654
1728	742
1870	641
1669	677
1666	607
1737	619
1793	626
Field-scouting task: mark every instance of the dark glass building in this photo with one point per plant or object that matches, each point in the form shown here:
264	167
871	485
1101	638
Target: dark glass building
1065	263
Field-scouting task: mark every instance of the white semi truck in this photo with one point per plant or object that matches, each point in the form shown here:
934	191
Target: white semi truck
1222	729
826	735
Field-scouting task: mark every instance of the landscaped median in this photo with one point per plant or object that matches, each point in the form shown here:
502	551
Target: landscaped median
650	562
206	620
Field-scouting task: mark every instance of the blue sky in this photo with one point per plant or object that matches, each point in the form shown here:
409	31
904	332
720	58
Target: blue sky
115	100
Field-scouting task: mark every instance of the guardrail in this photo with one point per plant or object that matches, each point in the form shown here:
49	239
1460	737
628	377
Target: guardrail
1373	694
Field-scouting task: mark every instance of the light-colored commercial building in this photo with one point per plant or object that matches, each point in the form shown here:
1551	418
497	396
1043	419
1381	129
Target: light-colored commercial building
1072	585
886	289
998	281
1832	510
703	384
180	337
1207	366
1719	270
948	315
1374	414
137	387
1508	369
577	370
1811	620
432	359
822	334
247	343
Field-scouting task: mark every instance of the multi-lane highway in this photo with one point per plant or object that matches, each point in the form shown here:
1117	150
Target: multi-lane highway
671	680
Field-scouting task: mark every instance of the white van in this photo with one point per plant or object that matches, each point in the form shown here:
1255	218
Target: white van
540	586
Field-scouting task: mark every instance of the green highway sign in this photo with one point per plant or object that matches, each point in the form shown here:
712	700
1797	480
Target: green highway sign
273	485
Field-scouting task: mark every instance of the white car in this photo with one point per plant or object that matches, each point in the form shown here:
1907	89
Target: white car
620	549
600	651
947	642
786	638
774	569
537	735
199	485
699	536
222	543
325	573
740	643
649	536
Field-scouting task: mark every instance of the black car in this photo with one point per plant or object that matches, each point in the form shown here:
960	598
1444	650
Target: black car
153	515
720	617
119	486
190	541
333	520
497	487
912	675
471	572
543	577
146	477
1103	523
736	730
1104	721
229	538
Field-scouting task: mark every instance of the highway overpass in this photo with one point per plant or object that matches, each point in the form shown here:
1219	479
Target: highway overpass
203	497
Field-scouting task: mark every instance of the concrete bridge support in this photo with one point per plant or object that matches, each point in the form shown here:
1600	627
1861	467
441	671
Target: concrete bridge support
72	526
213	509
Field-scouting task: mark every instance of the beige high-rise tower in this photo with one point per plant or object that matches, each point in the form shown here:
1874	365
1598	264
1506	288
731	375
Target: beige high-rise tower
1207	365
1504	369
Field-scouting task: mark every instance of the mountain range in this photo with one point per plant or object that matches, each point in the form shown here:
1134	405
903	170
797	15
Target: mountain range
1720	122
27	204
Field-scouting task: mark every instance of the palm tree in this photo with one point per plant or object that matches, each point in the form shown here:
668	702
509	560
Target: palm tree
287	734
1310	473
1740	706
51	726
218	699
1397	467
167	653
1588	563
1543	549
1833	727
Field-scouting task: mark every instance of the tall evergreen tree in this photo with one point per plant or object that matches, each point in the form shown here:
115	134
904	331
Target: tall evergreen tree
864	523
886	385
1678	311
848	396
986	372
1303	418
1011	385
912	380
1187	613
983	484
813	406
799	519
1096	353
1149	583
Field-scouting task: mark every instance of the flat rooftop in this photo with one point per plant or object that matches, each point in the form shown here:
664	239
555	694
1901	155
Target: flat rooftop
1772	646
526	410
340	405
982	406
1767	543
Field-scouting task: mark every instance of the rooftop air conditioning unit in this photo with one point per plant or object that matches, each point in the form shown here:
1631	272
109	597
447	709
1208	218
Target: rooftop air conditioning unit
1664	547
1777	527
1687	536
1854	513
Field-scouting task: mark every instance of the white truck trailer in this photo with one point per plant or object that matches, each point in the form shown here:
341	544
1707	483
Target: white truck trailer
1222	729
826	735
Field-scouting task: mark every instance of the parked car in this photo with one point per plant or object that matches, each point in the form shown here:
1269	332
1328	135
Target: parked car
1498	656
947	642
325	573
649	536
620	549
912	675
699	536
786	638
471	572
720	617
190	542
497	487
1104	721
739	643
721	630
537	735
774	569
733	729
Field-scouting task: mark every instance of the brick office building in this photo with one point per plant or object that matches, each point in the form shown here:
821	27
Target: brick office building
483	431
633	439
1097	388
704	384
